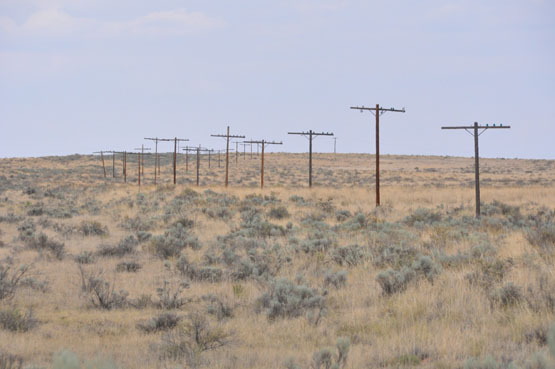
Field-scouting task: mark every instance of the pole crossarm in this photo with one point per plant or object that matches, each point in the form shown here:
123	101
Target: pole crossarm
379	109
313	133
479	127
226	136
263	142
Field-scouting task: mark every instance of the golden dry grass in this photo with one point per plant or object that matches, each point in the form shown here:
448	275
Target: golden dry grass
446	321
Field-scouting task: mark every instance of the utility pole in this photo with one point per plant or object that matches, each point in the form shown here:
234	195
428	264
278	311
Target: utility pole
198	150
473	131
245	144
156	158
139	167
142	148
125	166
263	143
175	140
310	135
227	137
334	145
377	111
102	157
187	149
113	164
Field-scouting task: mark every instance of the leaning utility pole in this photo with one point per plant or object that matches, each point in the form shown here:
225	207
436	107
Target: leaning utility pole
263	143
377	111
102	156
310	135
227	137
475	134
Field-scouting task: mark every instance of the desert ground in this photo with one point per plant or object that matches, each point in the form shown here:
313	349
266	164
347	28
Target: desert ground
98	272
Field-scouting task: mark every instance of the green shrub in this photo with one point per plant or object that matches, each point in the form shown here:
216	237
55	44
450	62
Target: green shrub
351	255
285	299
125	247
336	279
279	212
422	217
195	337
128	266
12	319
8	361
101	293
85	257
68	360
92	228
170	295
394	281
43	243
198	273
507	295
426	267
174	240
159	323
11	277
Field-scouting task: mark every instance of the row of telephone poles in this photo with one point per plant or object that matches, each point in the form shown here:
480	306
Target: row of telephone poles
475	130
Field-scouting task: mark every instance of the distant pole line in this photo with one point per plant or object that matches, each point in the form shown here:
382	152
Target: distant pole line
263	143
310	135
227	137
473	131
377	111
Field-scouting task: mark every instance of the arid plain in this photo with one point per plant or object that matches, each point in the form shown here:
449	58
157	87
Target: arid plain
167	276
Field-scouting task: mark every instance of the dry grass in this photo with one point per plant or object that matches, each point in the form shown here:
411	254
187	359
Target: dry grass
430	325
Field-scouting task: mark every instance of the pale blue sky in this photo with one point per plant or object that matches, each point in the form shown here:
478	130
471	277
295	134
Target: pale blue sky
77	76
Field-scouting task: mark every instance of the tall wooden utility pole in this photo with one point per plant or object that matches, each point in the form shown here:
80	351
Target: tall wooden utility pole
334	145
263	143
175	141
102	157
377	111
310	135
227	137
473	131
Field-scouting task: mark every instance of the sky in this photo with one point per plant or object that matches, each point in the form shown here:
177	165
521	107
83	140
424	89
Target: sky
78	76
